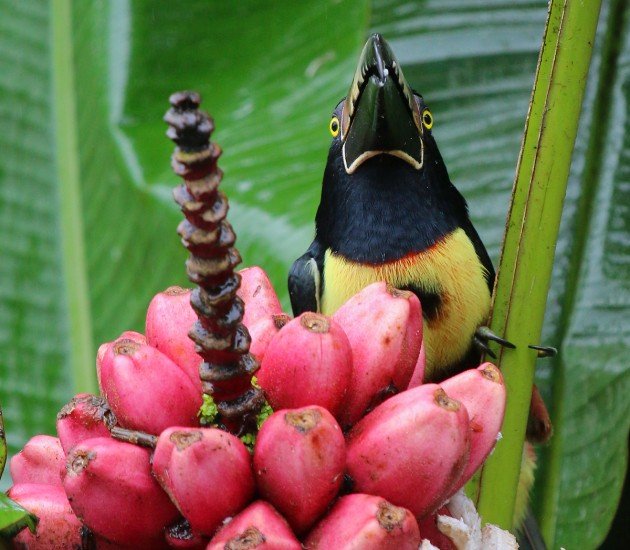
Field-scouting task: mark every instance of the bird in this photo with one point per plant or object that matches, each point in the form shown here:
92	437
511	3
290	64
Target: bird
389	211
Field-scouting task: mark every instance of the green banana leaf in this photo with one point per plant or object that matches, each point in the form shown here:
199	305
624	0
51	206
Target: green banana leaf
13	518
87	226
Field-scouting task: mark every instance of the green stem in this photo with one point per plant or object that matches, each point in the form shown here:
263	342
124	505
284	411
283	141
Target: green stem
73	248
531	233
551	473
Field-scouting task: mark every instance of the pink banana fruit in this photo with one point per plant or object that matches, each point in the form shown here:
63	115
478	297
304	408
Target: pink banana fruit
417	378
263	331
365	522
40	461
263	315
206	472
308	362
411	450
299	461
258	294
110	487
84	417
258	527
482	391
169	318
384	328
145	389
58	527
102	349
96	542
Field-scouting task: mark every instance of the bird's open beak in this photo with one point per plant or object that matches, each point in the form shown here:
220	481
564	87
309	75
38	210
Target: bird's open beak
380	114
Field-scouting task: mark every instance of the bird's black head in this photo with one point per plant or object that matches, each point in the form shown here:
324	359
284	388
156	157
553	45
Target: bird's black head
381	115
385	190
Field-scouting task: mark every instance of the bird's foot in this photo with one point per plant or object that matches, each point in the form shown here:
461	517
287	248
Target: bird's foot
483	335
544	351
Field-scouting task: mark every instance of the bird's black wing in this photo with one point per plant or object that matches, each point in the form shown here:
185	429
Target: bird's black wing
306	280
481	251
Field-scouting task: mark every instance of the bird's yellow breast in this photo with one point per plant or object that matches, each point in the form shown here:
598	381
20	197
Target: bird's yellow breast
451	269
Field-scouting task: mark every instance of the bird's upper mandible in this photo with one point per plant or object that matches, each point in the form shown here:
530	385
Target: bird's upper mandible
381	114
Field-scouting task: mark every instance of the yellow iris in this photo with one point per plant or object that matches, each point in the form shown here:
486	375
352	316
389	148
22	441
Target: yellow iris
334	126
427	119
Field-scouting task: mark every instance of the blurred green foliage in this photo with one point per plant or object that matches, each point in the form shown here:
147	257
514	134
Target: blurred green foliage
271	73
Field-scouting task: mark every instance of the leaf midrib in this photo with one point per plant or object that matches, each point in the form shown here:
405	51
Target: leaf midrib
74	265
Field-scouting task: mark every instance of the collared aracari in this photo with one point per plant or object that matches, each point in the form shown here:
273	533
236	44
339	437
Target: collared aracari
389	212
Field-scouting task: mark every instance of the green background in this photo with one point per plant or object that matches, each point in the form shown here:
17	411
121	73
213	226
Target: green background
87	226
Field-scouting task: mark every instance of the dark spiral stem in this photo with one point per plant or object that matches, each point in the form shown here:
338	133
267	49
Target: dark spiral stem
220	337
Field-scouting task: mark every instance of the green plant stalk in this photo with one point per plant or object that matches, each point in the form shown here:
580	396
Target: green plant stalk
71	213
551	473
531	233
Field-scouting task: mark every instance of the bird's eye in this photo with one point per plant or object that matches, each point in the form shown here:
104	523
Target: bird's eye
427	119
334	126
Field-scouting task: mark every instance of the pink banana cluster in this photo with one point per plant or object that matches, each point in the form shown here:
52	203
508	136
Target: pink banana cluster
359	453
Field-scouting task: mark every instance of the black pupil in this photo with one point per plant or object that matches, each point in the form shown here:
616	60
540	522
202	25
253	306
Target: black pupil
334	126
427	119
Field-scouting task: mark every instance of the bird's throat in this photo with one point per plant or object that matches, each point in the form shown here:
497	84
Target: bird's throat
386	210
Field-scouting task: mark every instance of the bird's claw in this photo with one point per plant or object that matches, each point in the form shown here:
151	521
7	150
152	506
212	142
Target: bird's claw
484	347
544	351
484	334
